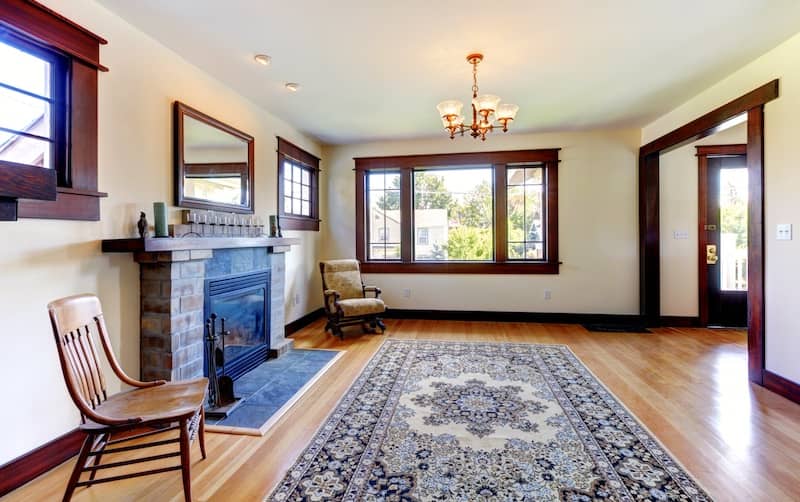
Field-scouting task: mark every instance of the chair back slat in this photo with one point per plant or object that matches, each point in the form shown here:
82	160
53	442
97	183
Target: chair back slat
92	366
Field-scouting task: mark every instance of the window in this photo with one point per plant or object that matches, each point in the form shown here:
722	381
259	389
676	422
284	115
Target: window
423	236
48	115
33	112
298	187
494	212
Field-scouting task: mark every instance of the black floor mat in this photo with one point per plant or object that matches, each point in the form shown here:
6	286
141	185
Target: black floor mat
616	328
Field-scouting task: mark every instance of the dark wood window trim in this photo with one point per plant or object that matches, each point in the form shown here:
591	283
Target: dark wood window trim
296	155
498	160
75	195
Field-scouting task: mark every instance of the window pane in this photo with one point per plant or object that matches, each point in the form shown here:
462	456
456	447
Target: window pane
296	190
295	206
287	205
533	251
24	71
516	215
24	113
516	250
306	177
453	207
533	213
287	188
306	208
525	205
297	173
533	175
24	150
287	170
515	176
393	251
375	180
305	193
383	215
733	193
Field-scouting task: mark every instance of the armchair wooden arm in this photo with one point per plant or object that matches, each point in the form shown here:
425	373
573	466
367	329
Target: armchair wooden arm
331	297
372	289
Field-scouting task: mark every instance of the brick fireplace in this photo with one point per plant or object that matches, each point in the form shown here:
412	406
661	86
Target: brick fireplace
173	286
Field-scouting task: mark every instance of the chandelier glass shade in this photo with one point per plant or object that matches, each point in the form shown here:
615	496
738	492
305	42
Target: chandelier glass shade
487	111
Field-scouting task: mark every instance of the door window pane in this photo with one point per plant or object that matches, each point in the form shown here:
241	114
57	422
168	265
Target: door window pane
733	229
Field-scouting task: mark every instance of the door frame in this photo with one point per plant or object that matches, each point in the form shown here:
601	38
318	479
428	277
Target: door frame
703	153
751	104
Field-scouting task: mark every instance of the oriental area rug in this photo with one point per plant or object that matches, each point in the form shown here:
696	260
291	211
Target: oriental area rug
431	420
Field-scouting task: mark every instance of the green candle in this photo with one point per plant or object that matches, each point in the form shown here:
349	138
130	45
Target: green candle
160	215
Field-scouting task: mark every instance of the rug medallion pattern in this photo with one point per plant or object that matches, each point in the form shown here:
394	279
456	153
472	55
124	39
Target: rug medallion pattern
429	420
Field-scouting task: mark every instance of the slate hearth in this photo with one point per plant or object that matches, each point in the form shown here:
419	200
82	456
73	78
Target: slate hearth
173	274
267	388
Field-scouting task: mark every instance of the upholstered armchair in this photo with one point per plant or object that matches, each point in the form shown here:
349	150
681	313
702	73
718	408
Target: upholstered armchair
346	301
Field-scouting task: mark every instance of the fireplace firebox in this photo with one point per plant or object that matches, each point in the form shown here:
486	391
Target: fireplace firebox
243	301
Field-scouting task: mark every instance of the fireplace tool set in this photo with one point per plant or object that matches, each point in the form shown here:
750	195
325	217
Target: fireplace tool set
221	400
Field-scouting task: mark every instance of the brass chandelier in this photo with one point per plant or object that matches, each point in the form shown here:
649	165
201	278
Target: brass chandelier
485	110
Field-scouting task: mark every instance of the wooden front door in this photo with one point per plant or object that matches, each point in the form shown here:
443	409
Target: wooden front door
723	239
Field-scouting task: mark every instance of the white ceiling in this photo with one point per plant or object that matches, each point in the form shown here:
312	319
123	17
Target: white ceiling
373	69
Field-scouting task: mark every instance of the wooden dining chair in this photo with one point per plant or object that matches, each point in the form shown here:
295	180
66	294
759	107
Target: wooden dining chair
150	408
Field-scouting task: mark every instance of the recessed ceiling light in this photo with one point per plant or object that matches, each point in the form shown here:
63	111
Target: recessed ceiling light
263	59
292	86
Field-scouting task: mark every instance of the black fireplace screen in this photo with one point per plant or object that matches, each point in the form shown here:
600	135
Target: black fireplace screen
243	301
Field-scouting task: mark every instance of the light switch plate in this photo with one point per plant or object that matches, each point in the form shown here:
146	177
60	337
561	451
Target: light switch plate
680	234
784	232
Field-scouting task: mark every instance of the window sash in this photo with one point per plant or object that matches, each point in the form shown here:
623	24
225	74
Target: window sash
55	106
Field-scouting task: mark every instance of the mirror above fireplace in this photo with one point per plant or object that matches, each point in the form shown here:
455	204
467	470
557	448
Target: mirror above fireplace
213	163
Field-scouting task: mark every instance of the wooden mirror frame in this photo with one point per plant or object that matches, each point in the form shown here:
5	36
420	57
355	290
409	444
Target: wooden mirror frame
179	111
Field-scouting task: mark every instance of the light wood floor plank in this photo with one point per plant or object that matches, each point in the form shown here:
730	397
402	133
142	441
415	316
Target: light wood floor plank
688	386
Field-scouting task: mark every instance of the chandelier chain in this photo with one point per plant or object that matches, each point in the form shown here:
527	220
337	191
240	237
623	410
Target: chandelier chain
475	79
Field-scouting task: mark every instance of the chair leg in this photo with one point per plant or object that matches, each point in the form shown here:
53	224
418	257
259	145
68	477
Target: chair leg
79	465
104	439
381	325
186	460
201	433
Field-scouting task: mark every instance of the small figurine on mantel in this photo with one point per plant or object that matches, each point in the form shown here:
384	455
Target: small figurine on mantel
143	226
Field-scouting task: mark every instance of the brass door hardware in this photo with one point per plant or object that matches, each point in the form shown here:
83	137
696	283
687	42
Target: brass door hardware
711	254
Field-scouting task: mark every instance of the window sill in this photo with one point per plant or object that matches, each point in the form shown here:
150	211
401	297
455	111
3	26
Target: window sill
289	222
460	268
70	204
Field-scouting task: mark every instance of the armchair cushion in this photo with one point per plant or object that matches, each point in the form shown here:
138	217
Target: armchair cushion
355	307
343	276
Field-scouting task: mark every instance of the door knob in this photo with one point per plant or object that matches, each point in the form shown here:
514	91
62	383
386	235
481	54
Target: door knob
711	254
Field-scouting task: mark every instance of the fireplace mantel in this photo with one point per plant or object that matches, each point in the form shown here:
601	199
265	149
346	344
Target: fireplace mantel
173	274
160	244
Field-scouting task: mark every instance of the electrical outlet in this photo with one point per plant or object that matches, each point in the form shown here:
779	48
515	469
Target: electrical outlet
784	232
548	294
406	293
297	298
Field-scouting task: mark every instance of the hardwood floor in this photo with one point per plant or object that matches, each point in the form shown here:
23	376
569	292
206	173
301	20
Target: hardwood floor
688	386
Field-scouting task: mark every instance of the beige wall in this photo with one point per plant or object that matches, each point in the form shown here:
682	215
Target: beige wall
678	213
44	260
782	177
597	228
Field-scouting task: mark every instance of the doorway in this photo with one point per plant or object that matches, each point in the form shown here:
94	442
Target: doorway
723	242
